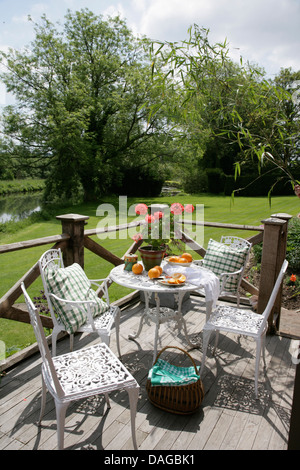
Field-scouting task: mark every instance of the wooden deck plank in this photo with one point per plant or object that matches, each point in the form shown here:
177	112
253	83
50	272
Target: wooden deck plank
230	417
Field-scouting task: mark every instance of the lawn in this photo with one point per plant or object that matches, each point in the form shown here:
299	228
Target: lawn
243	211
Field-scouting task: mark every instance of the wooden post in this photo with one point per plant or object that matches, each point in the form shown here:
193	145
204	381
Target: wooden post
273	255
73	225
294	433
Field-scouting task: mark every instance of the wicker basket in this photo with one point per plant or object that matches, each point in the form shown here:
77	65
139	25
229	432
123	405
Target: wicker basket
179	399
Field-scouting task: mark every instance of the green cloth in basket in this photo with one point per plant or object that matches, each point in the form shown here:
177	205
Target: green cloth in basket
163	373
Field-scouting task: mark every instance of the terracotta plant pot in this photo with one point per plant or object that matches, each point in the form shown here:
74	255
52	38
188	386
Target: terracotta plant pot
151	257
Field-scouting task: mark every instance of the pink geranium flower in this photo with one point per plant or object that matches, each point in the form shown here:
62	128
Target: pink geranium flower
176	208
137	237
141	209
158	215
149	219
161	228
189	208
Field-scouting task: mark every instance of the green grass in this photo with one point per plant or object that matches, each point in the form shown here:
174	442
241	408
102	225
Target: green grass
248	211
21	186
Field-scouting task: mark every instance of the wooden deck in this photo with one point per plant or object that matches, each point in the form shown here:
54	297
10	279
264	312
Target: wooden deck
230	417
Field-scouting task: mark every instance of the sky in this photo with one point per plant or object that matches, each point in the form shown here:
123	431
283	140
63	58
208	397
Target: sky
263	32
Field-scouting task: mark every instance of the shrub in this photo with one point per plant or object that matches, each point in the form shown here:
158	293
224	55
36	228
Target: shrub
216	180
195	183
293	244
292	247
143	181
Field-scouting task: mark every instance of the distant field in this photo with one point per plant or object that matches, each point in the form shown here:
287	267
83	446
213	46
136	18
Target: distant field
244	211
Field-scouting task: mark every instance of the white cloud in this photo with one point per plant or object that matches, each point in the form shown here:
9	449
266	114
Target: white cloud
114	10
265	32
262	31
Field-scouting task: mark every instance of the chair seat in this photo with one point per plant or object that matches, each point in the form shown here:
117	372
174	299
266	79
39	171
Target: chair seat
102	322
233	319
94	369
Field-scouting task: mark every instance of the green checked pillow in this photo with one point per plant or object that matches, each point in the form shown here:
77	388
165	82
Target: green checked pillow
71	283
220	258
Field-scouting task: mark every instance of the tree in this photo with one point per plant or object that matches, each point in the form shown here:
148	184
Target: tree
79	112
237	106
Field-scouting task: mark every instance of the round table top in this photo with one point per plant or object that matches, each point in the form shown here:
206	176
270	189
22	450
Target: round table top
143	282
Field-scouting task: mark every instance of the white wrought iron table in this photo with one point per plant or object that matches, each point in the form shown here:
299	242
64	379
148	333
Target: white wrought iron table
199	278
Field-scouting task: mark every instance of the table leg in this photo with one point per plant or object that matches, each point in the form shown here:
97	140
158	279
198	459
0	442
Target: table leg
135	335
181	320
157	323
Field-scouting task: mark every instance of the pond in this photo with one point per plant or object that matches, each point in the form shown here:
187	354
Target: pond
19	206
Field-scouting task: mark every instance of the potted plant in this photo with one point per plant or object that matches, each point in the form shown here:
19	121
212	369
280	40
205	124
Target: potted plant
160	231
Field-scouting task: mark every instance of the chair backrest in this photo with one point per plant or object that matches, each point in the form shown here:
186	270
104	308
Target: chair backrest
274	293
50	259
235	242
42	343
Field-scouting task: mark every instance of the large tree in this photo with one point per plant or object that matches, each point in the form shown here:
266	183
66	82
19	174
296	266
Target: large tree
241	116
80	90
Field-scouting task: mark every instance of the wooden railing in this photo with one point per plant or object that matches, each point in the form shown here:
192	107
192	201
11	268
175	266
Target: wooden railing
74	238
273	234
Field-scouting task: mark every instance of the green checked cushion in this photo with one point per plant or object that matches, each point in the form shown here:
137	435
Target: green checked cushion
71	283
220	258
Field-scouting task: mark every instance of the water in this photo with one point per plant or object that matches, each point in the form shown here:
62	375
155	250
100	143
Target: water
16	207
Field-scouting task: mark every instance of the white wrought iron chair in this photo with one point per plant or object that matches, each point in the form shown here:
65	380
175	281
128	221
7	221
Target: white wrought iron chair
230	281
69	314
243	322
80	374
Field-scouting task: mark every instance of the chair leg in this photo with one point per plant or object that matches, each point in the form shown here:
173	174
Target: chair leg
133	394
216	341
71	343
117	326
105	338
43	400
61	409
206	336
263	349
107	400
54	335
257	361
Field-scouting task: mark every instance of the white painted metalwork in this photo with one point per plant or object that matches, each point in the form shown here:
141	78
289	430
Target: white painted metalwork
101	324
243	322
160	314
80	374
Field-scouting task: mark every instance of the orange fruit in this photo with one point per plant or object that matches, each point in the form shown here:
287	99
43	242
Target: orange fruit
154	272
159	269
177	279
137	268
187	256
174	259
182	260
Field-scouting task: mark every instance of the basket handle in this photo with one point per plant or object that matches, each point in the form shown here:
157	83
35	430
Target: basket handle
182	350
